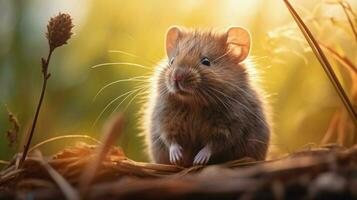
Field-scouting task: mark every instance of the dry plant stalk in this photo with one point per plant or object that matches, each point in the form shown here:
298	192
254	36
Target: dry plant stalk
346	7
337	121
340	126
324	62
340	58
12	133
122	178
112	131
59	31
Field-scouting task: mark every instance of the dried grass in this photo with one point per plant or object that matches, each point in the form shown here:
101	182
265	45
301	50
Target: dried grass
103	171
324	63
343	124
68	191
59	176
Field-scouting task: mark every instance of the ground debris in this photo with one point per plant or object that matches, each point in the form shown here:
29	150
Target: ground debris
328	172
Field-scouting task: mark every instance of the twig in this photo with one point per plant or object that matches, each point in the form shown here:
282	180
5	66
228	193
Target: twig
58	33
324	62
46	76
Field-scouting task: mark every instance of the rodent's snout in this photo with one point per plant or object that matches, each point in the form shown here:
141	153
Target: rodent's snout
182	80
178	78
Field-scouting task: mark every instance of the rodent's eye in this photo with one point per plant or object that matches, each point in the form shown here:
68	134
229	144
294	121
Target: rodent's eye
172	60
205	61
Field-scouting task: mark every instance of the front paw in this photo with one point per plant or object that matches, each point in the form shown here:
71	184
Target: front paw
175	153
202	156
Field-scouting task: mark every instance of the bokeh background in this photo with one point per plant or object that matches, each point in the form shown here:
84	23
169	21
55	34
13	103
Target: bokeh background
303	100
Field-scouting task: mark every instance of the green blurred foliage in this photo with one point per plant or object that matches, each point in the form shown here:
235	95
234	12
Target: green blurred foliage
301	97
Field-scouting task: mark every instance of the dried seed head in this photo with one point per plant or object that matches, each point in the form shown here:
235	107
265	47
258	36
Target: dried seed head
12	133
59	30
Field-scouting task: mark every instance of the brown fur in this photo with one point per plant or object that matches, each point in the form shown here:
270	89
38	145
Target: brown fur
220	108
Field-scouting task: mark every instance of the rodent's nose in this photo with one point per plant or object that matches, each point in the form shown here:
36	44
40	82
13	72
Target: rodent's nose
178	75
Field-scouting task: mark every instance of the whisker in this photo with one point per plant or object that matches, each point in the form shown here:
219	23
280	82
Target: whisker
225	105
121	63
123	52
233	86
132	99
241	104
132	55
219	99
109	104
132	92
118	81
221	56
164	92
214	60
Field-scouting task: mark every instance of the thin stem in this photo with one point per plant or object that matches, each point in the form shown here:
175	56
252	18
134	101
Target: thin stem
349	21
46	76
341	58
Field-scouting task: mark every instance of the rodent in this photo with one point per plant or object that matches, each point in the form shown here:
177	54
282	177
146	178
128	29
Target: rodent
202	107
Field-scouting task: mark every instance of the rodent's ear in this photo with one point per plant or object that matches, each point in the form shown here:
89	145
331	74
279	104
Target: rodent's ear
238	40
172	36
